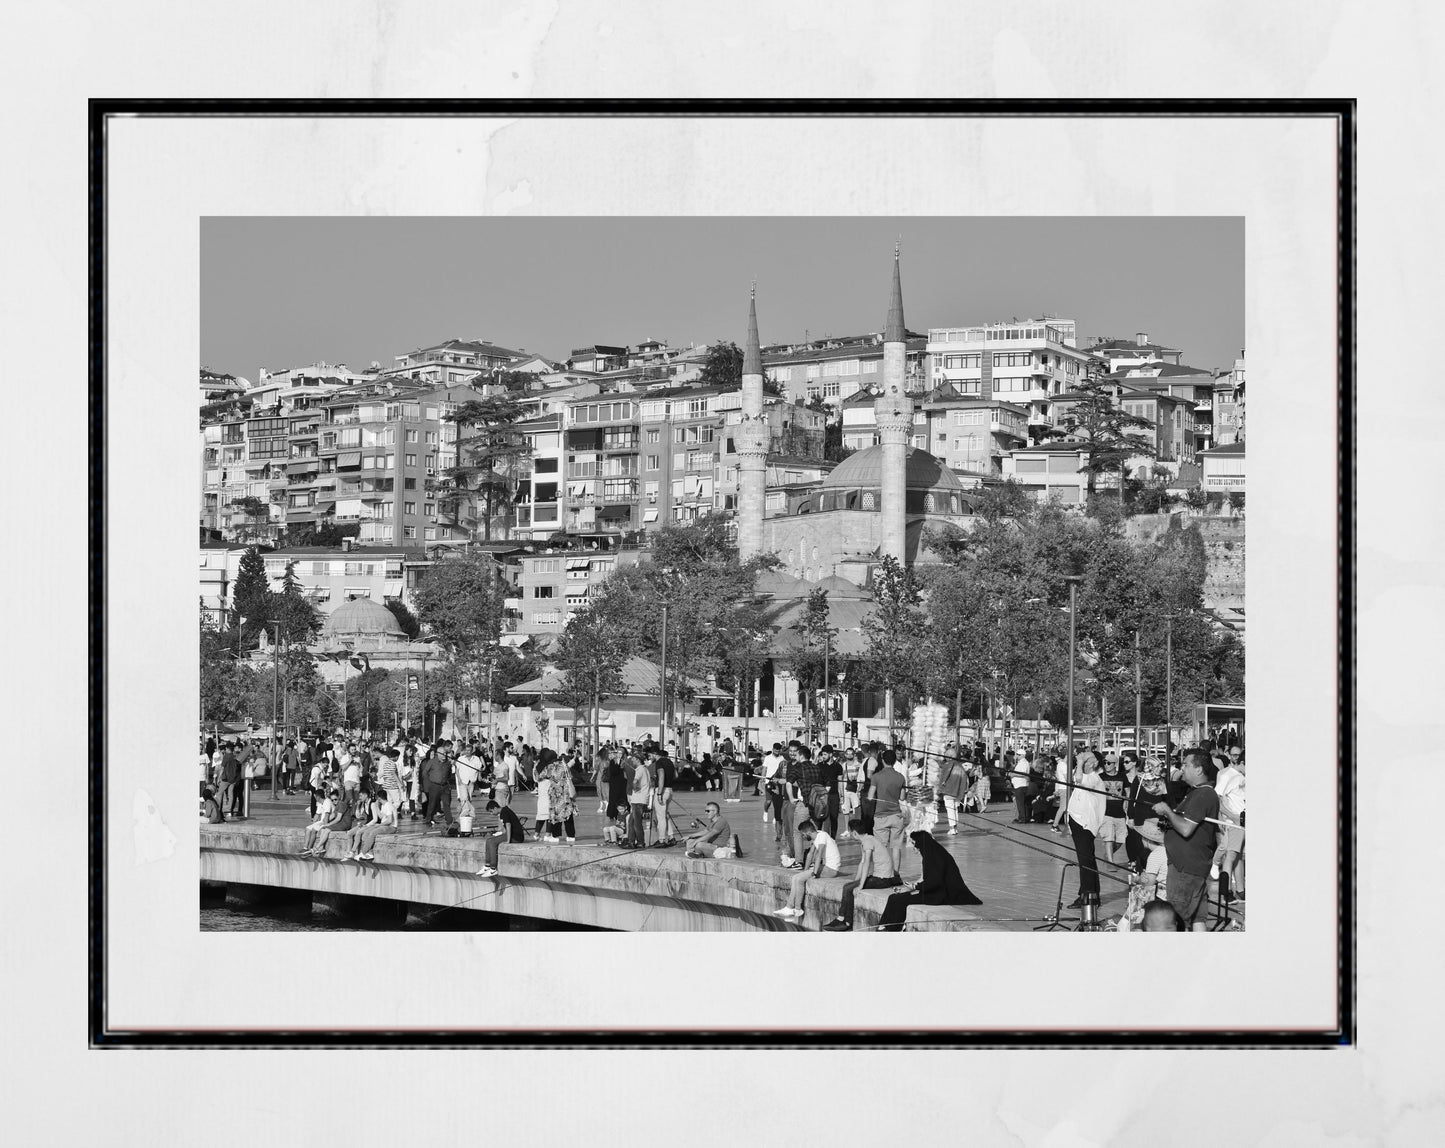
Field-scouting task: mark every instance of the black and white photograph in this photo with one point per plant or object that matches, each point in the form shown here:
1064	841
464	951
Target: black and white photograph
765	574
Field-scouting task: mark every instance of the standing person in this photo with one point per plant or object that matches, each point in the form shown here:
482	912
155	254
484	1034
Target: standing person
941	884
1112	779
871	763
850	786
875	871
953	787
1086	815
561	801
773	763
802	781
823	861
1019	779
615	777
543	791
436	783
639	804
885	790
601	763
1189	838
1137	802
231	799
351	774
1229	854
830	776
391	777
469	769
205	770
732	776
666	776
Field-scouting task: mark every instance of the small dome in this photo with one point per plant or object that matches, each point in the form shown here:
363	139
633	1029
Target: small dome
864	470
778	584
841	588
363	617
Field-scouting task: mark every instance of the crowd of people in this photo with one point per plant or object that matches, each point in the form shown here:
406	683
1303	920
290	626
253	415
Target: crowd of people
1171	826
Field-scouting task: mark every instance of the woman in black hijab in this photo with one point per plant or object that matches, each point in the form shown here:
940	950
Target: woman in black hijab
942	884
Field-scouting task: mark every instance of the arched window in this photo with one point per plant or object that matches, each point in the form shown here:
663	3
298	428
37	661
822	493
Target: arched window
953	504
867	500
928	504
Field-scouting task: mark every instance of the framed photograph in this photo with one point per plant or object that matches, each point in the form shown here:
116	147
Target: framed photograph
643	536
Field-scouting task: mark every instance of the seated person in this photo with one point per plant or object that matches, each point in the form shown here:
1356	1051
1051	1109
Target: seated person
324	809
716	838
211	808
343	816
510	830
823	861
616	829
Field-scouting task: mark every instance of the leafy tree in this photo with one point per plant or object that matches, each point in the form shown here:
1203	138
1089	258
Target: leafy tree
1196	499
487	457
590	655
461	603
723	366
896	633
1103	429
816	638
819	404
404	618
251	597
1008	499
299	623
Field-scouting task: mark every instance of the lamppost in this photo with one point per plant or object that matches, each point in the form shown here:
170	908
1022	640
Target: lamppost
993	733
1073	580
662	685
406	693
1168	688
275	626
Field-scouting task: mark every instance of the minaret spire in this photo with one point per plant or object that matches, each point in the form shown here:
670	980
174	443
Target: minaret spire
753	352
893	330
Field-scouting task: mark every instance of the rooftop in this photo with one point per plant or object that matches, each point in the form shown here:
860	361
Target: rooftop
1234	448
469	347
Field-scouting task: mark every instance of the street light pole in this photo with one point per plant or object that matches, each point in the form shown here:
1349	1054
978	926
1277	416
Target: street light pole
1138	703
1073	580
1168	689
275	690
662	687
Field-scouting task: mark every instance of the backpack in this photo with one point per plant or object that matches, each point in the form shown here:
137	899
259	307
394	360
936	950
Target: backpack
818	802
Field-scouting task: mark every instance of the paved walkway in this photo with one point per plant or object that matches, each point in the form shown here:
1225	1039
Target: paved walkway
1014	869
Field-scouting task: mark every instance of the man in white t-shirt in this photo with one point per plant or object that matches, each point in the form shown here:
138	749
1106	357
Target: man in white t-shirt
823	861
1228	864
773	762
469	768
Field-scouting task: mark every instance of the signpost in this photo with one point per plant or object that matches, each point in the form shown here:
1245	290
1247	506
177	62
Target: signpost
792	713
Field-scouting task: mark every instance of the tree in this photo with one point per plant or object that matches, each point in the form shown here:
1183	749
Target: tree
488	457
723	366
896	633
1008	499
460	602
299	623
590	655
815	640
1103	429
252	594
404	618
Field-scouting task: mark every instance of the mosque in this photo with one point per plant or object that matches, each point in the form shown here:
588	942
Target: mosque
877	502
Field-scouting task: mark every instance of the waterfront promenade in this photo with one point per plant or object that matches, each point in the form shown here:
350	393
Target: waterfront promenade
1015	869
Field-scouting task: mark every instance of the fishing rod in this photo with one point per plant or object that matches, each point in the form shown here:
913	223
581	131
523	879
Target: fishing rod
1067	784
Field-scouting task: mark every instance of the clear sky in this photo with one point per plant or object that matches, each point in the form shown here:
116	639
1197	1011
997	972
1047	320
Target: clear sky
282	292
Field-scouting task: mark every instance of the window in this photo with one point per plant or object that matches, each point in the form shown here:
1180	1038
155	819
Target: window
1031	466
679	460
652	462
654	437
411	460
967	418
410	483
408	531
429	509
411	436
815	370
679	435
651	491
830	389
870	367
782	374
544	591
431	437
408	508
544	465
547	566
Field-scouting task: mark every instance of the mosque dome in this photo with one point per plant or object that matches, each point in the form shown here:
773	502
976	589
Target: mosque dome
837	587
361	617
856	483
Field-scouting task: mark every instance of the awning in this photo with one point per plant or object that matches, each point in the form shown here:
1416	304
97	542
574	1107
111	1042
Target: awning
578	563
649	516
350	458
616	510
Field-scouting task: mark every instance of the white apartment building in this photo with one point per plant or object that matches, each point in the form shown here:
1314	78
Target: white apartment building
1024	363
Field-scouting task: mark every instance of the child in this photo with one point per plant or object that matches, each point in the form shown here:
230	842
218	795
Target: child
616	829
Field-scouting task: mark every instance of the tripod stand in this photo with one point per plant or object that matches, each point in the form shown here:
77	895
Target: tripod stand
1057	922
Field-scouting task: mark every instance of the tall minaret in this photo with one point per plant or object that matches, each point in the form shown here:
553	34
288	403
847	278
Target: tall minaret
893	412
751	438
